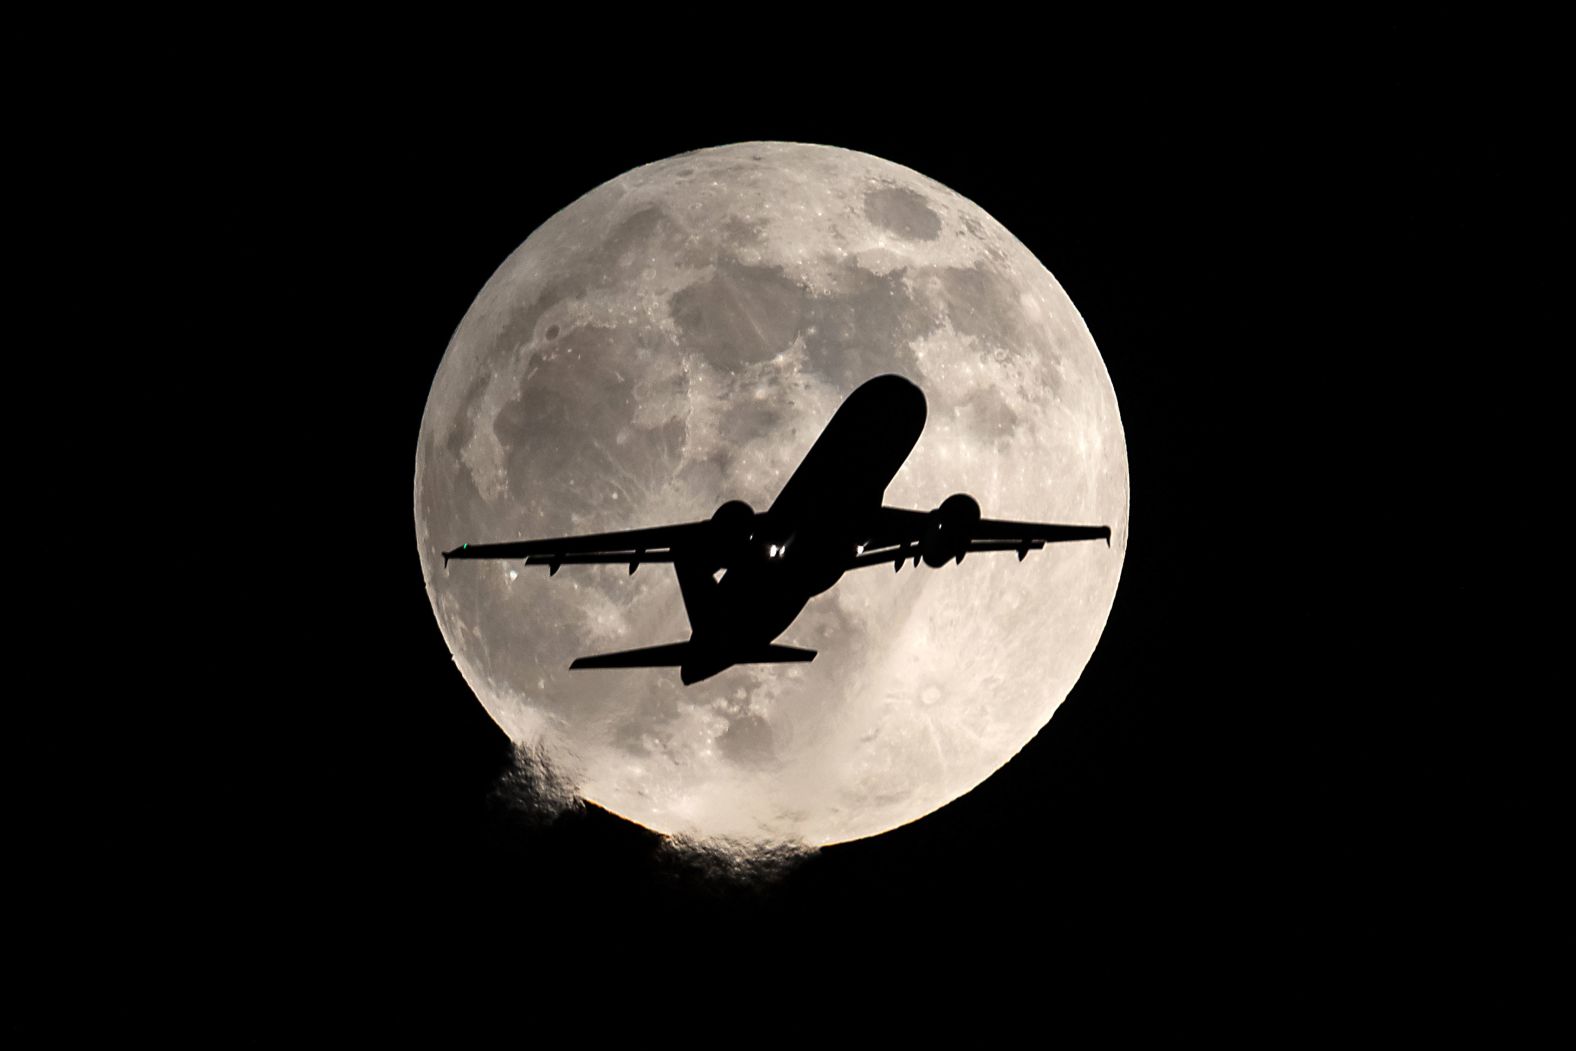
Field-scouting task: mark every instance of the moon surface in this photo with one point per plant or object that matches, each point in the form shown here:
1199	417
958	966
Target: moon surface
678	337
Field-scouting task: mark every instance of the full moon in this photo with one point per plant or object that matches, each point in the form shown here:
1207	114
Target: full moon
677	338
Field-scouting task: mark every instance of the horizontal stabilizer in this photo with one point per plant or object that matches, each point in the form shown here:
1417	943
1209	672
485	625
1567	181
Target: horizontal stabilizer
675	654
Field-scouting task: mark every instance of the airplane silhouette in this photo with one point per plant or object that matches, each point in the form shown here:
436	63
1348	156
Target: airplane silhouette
745	576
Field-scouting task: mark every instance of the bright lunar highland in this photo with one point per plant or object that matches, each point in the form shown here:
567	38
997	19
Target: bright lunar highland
678	337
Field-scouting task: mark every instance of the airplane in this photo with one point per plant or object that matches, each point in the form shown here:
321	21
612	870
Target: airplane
745	575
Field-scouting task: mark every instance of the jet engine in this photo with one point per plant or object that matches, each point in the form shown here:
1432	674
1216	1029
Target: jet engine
948	530
732	525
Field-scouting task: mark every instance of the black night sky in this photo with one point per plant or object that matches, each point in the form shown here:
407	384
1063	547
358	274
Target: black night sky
1265	800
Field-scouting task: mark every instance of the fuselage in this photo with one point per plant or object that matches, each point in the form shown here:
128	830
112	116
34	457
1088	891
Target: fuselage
802	544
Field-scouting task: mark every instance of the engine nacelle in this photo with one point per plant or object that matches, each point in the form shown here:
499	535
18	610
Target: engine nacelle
731	526
949	529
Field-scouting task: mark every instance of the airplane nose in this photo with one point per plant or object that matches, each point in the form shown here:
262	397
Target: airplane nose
896	397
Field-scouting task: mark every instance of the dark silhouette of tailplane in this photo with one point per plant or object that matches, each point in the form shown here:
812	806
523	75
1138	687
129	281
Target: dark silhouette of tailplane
694	662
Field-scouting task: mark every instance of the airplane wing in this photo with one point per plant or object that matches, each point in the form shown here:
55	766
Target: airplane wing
900	533
631	546
1040	533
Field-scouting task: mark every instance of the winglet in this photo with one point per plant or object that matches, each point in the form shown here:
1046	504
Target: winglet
451	553
1107	535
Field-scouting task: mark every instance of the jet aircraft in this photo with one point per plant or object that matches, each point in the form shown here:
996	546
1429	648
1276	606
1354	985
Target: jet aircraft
745	575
